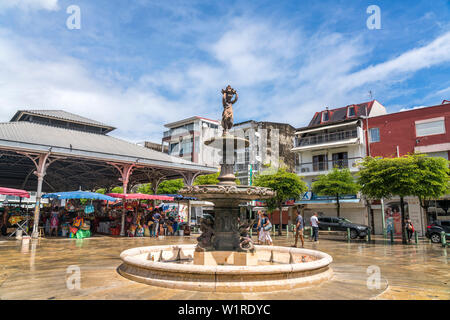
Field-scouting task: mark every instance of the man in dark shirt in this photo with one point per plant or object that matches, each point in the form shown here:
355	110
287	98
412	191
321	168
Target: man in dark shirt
299	229
156	219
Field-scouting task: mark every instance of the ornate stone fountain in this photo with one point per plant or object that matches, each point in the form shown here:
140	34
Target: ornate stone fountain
223	231
225	258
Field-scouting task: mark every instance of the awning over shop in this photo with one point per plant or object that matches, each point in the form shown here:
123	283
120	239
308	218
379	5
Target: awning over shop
179	197
14	192
78	195
140	196
328	201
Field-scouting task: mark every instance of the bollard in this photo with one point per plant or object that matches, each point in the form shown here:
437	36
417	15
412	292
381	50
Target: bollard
368	236
443	239
287	230
348	234
329	229
311	232
392	236
251	231
416	237
273	230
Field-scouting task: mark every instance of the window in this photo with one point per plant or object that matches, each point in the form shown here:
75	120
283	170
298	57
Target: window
325	116
320	162
430	127
174	148
351	112
340	160
374	135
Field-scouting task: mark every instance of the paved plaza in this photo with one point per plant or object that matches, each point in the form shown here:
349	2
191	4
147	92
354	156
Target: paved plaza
39	271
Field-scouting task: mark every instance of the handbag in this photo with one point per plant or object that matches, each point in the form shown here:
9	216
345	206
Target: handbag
268	227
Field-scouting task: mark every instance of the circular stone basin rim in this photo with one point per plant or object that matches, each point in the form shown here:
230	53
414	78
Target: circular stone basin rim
130	256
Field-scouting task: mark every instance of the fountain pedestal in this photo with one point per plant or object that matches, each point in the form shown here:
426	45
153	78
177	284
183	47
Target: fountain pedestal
221	258
222	232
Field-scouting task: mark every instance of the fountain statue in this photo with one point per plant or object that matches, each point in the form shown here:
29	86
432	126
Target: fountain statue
223	233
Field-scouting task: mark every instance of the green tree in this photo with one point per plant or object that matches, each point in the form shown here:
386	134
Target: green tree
101	190
209	179
432	176
410	175
287	186
117	190
336	183
145	188
170	186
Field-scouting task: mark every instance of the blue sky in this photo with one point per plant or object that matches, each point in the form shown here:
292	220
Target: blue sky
140	64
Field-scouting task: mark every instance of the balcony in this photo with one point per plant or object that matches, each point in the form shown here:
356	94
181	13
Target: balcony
328	138
315	168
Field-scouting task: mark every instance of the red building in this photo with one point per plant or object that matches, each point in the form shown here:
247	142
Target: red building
422	130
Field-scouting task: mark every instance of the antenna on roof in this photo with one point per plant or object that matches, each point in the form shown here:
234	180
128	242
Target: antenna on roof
370	95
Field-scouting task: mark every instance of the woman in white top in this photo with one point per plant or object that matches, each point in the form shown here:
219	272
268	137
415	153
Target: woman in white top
264	235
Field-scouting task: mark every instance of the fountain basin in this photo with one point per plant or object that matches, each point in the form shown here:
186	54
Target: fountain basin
280	268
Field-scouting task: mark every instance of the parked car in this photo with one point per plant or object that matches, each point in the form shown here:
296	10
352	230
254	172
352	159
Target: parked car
434	230
341	224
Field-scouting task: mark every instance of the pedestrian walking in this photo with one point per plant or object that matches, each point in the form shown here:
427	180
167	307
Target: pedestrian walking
258	225
156	221
299	229
54	221
409	228
315	227
264	234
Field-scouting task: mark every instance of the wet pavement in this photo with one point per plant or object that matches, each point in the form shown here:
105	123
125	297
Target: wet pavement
45	269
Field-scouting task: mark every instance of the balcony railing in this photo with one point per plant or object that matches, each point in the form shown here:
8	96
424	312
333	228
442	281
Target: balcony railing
328	137
309	167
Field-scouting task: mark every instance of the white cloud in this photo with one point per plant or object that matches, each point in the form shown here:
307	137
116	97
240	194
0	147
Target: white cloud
281	75
51	5
432	54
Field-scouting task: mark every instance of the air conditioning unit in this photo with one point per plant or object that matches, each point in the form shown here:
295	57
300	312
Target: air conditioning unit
305	169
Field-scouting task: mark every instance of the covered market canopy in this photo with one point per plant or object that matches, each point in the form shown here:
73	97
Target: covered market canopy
78	195
55	150
140	196
14	192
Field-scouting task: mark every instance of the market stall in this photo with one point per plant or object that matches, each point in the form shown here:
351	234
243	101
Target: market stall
138	214
79	215
18	219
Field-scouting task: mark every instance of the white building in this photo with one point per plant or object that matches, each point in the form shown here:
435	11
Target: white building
185	139
334	138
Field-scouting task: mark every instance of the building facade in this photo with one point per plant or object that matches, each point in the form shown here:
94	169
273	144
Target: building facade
423	130
270	144
185	139
334	138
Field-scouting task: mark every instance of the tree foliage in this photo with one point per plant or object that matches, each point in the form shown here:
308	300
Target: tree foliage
209	179
170	186
287	186
117	190
145	188
101	190
336	183
410	175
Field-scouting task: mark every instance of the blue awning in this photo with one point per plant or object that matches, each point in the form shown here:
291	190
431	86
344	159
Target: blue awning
79	195
328	201
178	197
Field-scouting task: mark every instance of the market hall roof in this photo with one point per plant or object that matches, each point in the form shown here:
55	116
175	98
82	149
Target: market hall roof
84	159
28	136
61	118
